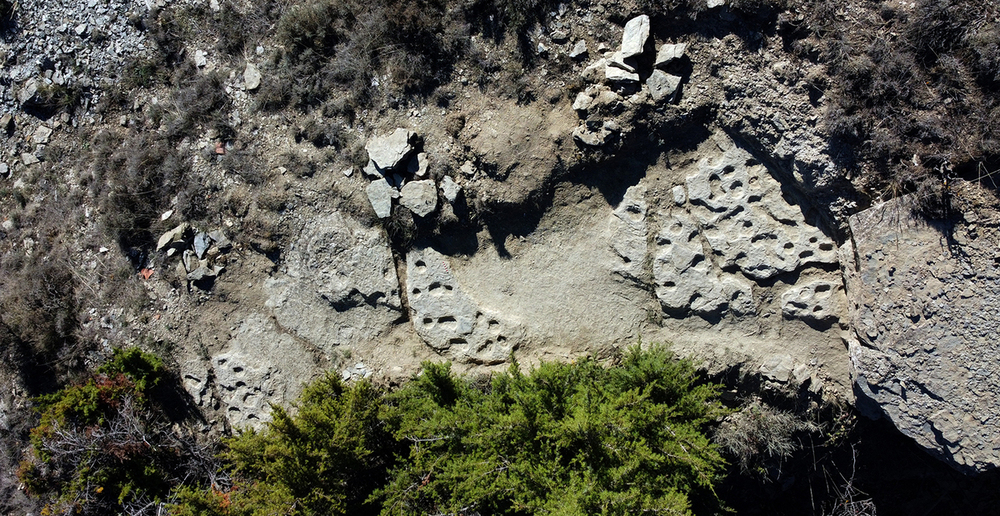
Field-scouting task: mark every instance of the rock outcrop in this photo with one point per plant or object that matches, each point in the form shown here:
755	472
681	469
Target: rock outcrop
924	300
449	320
337	284
730	225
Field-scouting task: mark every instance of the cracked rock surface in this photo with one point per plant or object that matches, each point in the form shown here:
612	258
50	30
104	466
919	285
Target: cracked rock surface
924	304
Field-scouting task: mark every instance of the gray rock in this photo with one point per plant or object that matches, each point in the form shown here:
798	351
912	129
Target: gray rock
595	71
200	59
582	102
28	159
680	195
418	165
371	171
468	168
596	134
926	327
201	243
579	50
174	237
258	367
635	36
662	85
390	151
628	235
734	225
559	36
81	29
251	77
619	61
201	273
189	260
28	91
542	49
616	74
777	368
818	301
450	189
381	194
337	285
420	197
4	169
668	53
41	135
448	320
712	4
220	240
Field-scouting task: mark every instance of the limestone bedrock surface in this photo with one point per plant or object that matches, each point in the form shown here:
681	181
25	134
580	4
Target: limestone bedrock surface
728	227
448	319
337	285
925	314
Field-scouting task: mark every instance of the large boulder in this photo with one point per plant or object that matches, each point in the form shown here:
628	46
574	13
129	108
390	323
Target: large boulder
924	299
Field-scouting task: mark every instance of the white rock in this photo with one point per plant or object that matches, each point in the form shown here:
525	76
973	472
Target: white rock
579	50
200	58
595	71
679	195
615	74
251	77
468	168
380	194
582	102
420	197
635	36
450	189
668	53
418	165
390	151
41	135
28	159
619	61
347	171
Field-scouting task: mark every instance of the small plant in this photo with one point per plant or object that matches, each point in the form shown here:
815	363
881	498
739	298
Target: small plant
759	435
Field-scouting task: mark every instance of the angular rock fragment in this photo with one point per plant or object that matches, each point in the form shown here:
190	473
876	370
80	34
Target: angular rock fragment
450	189
635	36
582	102
380	194
579	50
420	197
391	151
668	53
616	74
173	237
662	85
596	134
251	77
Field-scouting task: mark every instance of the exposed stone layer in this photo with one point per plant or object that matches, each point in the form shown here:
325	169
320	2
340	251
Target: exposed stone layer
925	313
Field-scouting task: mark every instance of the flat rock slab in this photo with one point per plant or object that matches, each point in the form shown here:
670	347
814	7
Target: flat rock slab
662	85
635	36
925	317
380	194
449	320
390	151
420	197
668	53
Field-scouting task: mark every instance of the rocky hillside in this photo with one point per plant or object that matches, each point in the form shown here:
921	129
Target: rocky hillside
800	195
